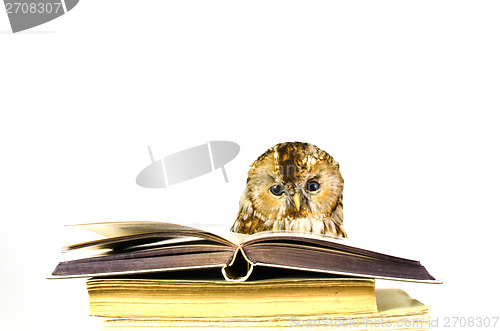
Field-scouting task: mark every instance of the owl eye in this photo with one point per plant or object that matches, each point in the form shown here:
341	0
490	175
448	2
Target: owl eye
277	189
312	186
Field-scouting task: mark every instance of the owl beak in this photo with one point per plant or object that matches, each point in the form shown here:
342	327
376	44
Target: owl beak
296	199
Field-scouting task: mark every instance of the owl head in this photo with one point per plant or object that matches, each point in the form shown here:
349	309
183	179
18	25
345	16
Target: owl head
292	186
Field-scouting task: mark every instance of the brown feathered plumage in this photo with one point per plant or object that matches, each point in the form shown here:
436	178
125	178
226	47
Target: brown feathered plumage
292	186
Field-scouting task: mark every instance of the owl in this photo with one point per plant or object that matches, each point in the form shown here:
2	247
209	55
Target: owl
293	186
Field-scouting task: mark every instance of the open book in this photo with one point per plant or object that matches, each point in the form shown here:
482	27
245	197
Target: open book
145	247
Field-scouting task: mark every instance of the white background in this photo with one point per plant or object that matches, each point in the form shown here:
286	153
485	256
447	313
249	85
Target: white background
404	95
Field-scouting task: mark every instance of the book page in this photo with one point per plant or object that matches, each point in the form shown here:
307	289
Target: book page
397	302
122	229
117	229
270	235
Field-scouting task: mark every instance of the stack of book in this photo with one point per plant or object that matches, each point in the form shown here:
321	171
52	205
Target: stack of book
150	275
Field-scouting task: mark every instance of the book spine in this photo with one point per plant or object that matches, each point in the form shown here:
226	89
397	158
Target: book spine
240	267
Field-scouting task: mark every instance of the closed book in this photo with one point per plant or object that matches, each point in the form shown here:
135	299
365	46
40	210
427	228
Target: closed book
164	298
396	311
